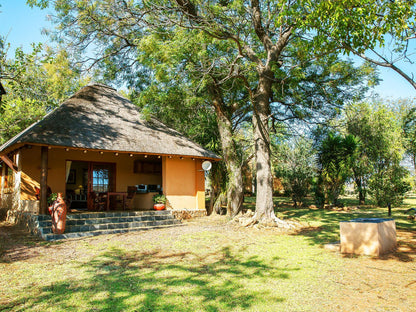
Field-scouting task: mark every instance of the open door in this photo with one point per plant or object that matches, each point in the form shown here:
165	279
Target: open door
101	179
86	180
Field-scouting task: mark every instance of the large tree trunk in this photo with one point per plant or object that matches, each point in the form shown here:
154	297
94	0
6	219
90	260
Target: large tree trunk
359	183
264	176
235	192
233	162
361	191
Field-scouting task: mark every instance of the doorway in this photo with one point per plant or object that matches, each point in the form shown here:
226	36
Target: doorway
86	182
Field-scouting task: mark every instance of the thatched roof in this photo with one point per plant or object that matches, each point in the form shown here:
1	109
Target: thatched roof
98	118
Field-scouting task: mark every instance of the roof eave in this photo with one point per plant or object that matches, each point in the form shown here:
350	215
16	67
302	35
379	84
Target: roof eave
19	145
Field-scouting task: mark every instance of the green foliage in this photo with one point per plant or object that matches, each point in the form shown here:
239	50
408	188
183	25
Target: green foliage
159	199
408	124
52	198
266	58
359	24
182	110
381	150
35	83
335	157
389	185
295	166
309	89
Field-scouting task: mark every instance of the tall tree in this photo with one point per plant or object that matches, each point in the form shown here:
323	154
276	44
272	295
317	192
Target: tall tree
294	164
381	144
198	65
335	156
257	35
358	125
408	124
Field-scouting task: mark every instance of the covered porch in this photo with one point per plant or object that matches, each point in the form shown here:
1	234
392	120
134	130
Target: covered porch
102	181
98	150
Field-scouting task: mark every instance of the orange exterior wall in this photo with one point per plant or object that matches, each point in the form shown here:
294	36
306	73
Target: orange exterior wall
57	158
182	180
30	160
183	183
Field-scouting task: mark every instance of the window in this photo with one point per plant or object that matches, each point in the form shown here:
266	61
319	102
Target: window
100	179
152	167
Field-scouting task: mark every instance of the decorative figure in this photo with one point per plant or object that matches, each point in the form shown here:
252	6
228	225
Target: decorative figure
58	212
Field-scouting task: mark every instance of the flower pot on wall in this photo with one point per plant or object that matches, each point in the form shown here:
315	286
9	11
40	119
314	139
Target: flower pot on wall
58	212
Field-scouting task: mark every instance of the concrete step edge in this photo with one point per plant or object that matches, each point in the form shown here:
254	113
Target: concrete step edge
110	226
55	237
90	221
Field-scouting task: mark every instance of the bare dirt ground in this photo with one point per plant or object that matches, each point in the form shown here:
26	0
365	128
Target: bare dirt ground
365	283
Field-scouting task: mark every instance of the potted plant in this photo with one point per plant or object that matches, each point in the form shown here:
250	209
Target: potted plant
51	200
159	201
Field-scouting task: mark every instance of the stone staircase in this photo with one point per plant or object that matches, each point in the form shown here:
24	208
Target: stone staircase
98	223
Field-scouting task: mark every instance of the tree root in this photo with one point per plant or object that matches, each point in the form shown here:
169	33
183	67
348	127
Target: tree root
249	219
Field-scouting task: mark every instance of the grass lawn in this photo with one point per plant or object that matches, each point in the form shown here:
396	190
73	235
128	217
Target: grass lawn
210	264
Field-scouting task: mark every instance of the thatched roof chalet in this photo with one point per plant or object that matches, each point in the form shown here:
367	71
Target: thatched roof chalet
98	118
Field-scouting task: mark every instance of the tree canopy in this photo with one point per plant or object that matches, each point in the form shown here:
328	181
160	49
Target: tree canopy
382	149
252	48
228	62
36	82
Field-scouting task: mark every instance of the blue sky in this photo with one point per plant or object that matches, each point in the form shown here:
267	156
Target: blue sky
22	25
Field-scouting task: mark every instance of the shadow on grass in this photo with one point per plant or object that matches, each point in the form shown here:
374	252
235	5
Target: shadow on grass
17	244
156	281
322	225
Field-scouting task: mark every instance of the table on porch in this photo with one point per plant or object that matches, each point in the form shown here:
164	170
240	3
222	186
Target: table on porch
123	194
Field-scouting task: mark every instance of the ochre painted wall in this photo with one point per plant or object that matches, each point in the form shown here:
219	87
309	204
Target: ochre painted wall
183	182
30	162
182	179
57	158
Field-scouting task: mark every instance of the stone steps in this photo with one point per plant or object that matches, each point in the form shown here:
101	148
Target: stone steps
92	224
92	221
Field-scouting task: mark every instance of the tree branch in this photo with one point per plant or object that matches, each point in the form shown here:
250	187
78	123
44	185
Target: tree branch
384	63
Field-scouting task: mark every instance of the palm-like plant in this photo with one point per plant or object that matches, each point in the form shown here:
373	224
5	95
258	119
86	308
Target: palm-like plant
335	157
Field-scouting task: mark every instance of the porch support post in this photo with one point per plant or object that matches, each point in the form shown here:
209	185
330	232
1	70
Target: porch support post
17	203
44	180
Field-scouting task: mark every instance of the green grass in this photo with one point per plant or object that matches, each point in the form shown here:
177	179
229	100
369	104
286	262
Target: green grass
191	275
219	269
327	221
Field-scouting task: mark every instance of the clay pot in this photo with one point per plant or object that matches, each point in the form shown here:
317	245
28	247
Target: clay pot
158	206
58	212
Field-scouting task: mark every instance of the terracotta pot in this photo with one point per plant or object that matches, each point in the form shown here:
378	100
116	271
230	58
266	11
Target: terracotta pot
158	206
58	212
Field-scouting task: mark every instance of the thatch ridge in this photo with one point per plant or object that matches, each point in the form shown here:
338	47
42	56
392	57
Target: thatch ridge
97	117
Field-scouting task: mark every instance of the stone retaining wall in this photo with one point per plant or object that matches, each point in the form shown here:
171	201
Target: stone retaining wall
185	214
24	220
